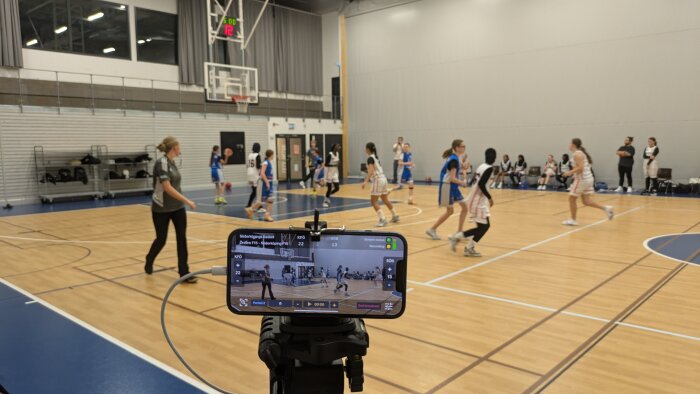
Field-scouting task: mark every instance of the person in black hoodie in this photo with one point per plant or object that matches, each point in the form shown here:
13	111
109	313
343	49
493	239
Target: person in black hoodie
624	166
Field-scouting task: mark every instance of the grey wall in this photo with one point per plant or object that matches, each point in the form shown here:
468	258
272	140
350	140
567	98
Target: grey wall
526	77
71	131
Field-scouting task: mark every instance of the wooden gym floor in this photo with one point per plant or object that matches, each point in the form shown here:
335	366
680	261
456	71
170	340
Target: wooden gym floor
547	308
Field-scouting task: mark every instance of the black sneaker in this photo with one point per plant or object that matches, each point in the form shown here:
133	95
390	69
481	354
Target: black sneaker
192	279
148	268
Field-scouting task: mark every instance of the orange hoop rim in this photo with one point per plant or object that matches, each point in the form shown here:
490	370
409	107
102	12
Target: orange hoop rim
240	98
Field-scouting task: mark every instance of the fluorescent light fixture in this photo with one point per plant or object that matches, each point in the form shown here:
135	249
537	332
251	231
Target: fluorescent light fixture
149	39
95	16
60	29
122	7
108	50
141	42
31	42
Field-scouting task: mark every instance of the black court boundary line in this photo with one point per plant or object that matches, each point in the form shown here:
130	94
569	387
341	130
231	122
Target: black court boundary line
596	338
536	325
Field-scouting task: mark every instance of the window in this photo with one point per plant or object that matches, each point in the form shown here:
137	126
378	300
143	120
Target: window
156	36
90	27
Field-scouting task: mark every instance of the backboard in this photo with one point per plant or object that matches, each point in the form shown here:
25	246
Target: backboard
223	81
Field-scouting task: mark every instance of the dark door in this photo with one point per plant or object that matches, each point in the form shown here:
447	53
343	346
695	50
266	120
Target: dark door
335	91
329	140
290	153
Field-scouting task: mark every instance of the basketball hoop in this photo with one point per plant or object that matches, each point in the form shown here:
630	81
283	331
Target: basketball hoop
241	102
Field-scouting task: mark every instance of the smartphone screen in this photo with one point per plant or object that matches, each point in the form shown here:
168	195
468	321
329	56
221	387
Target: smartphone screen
361	274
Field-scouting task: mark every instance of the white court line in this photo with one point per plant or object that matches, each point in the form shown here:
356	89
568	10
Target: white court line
549	309
500	257
321	209
113	340
646	245
78	241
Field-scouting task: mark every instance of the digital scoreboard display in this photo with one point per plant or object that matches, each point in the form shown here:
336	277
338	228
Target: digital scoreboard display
229	27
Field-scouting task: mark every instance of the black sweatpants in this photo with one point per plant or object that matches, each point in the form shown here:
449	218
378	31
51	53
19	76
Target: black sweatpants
396	169
309	175
625	171
253	194
563	179
478	232
332	189
161	222
269	287
515	175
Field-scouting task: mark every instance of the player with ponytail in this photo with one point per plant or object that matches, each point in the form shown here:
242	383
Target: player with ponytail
375	173
449	192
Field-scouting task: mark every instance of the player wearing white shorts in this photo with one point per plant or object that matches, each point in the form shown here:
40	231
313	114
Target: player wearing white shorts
377	276
479	203
583	182
324	277
332	176
375	174
651	167
253	172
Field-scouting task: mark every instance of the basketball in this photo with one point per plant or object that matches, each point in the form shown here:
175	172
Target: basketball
228	152
227	186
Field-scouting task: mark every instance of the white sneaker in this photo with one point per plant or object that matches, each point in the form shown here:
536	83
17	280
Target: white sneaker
395	219
610	212
470	251
569	222
453	241
433	234
619	189
629	190
381	223
500	185
326	202
301	183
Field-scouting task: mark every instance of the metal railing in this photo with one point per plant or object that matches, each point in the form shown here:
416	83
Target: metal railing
61	89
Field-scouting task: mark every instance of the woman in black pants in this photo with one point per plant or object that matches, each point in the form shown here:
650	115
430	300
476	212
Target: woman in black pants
169	206
624	166
267	282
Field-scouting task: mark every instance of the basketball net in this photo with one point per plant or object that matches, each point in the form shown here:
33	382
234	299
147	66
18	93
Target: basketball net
241	102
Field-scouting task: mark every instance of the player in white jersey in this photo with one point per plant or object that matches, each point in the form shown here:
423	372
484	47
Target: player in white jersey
377	276
375	174
479	205
324	277
331	170
253	165
583	183
651	167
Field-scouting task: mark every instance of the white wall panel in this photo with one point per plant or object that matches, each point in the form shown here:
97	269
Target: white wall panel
71	131
526	77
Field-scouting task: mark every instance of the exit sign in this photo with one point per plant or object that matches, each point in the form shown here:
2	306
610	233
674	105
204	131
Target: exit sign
229	26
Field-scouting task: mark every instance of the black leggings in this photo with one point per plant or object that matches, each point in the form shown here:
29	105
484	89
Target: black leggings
161	221
309	175
269	287
253	194
332	189
514	175
478	231
562	179
625	171
653	182
341	285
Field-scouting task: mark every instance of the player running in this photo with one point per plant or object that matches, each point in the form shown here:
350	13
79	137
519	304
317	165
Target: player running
375	173
449	192
267	191
479	205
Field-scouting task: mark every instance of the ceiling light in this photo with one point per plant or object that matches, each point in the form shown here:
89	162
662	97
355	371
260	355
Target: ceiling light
122	7
95	16
149	39
60	29
31	42
141	42
108	50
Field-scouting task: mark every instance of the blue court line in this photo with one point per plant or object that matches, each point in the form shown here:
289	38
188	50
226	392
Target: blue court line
679	247
45	350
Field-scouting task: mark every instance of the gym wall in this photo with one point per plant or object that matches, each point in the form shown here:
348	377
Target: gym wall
525	77
75	130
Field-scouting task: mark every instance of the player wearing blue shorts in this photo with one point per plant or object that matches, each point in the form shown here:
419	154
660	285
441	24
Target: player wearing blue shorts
407	173
217	173
449	193
266	191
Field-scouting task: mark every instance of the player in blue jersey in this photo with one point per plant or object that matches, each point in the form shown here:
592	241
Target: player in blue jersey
266	189
407	173
449	192
216	162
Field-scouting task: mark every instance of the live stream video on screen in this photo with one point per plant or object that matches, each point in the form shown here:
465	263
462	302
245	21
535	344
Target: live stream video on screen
285	272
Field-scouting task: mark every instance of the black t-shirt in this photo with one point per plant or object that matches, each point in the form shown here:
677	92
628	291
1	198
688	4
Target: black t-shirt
370	160
627	161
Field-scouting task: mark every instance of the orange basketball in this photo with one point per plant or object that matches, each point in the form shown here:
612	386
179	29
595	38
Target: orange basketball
228	152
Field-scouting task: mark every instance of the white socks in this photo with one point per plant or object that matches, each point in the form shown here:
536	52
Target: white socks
380	214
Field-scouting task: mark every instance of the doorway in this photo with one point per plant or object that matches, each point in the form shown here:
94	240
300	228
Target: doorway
290	157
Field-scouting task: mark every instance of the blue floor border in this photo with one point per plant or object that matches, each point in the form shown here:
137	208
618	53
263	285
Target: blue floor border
45	350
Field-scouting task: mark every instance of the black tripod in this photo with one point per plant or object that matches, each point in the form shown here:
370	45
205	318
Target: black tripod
305	354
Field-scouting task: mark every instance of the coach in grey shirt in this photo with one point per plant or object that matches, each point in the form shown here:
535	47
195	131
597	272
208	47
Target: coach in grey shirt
169	206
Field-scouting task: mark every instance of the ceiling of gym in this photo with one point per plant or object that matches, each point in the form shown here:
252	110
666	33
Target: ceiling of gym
315	6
